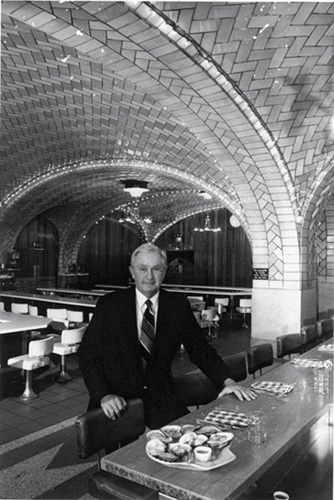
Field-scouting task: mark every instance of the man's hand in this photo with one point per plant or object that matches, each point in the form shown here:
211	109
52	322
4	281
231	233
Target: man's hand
113	406
231	387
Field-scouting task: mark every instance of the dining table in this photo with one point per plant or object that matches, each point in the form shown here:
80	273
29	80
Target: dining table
289	412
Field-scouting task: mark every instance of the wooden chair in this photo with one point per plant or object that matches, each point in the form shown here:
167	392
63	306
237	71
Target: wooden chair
94	433
258	357
288	344
69	344
37	357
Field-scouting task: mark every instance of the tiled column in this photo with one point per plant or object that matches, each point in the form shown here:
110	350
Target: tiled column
275	311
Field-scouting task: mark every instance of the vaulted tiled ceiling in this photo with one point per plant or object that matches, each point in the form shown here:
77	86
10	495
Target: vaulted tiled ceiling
232	98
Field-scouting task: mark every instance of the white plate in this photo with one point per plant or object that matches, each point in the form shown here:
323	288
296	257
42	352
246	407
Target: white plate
225	457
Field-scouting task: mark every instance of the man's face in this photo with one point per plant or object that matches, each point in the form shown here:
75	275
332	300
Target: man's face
148	272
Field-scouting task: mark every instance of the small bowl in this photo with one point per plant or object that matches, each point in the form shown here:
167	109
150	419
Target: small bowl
203	453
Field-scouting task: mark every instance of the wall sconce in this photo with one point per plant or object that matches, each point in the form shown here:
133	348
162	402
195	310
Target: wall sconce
135	188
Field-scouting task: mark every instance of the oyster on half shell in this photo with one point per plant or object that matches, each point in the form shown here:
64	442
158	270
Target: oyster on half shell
219	440
179	449
188	438
155	447
157	434
174	431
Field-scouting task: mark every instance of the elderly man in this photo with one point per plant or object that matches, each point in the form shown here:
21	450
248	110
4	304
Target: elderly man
129	345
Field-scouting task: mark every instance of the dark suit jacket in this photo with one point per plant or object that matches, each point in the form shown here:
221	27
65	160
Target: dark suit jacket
110	360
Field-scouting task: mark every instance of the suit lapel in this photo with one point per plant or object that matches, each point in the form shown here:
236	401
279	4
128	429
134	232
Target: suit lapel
129	319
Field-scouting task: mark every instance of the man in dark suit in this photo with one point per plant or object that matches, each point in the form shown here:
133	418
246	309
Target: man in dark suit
129	345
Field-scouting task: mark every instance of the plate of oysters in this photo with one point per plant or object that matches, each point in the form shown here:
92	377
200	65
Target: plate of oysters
190	447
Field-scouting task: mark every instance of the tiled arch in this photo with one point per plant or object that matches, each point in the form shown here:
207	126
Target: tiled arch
256	175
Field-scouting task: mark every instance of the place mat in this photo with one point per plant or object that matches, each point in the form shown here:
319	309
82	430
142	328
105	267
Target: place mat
277	388
312	363
222	417
326	347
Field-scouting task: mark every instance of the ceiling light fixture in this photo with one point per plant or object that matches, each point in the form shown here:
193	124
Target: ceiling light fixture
234	221
135	188
205	195
131	215
207	227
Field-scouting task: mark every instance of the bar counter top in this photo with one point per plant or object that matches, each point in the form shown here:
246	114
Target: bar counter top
33	297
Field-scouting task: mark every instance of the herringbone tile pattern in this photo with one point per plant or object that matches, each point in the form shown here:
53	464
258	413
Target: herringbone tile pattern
232	98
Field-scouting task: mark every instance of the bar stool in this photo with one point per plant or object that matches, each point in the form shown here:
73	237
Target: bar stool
59	319
222	304
69	344
196	303
193	299
258	357
33	310
56	314
75	317
37	357
245	307
288	344
2	306
209	315
19	308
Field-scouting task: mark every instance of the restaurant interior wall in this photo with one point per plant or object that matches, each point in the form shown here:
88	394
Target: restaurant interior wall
222	258
105	252
37	254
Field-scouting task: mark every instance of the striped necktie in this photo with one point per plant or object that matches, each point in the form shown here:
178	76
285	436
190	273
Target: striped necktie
147	333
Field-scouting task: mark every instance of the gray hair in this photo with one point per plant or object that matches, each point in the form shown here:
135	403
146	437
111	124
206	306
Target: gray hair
149	247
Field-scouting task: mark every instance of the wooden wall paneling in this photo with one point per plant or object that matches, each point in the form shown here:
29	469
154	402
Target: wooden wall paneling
37	245
106	251
222	259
